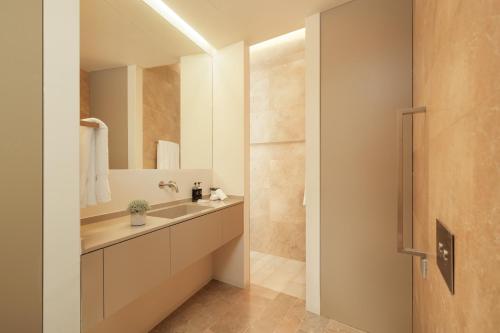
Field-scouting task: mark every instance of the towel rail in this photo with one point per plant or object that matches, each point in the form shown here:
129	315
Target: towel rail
88	124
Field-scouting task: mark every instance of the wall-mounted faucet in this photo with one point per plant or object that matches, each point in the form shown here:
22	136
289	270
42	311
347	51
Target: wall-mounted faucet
171	185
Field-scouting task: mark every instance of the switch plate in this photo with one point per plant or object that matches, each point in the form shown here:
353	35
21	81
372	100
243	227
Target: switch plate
445	253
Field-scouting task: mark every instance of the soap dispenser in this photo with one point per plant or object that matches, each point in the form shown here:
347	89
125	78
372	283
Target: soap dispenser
199	193
196	192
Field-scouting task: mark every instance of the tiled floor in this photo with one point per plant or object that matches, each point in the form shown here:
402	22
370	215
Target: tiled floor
280	274
221	308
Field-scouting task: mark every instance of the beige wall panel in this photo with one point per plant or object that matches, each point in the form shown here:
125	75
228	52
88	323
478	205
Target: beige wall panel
21	177
194	239
144	313
312	161
232	222
134	267
366	75
457	161
109	102
92	289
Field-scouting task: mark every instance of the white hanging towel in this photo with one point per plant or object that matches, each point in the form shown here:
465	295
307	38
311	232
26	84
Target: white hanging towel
167	155
87	137
94	164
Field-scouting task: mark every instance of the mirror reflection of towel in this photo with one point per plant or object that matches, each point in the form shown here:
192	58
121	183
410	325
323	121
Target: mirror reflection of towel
167	155
94	165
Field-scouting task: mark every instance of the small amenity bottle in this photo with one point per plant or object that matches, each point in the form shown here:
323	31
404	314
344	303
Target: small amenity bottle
194	192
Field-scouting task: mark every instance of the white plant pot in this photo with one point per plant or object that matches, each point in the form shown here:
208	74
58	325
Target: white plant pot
137	219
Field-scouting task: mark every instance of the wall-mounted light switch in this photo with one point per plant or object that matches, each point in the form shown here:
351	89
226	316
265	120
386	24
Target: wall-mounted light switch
445	252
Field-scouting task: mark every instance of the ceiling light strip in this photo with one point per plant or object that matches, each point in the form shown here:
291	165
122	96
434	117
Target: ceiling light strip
169	15
288	37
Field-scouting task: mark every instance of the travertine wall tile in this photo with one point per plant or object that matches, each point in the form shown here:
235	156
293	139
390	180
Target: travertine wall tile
277	153
161	109
277	93
457	161
84	94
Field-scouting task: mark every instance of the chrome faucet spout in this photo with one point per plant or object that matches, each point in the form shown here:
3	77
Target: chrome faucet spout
171	185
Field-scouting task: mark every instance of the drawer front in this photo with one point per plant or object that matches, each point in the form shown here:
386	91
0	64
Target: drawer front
91	289
194	239
134	267
232	222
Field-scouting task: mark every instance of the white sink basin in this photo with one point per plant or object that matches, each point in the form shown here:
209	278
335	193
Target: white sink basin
178	211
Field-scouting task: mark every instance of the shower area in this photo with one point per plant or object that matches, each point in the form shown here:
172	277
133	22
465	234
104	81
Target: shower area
277	164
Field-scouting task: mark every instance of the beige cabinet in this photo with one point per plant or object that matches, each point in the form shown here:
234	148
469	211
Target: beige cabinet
117	275
133	267
232	222
92	272
194	239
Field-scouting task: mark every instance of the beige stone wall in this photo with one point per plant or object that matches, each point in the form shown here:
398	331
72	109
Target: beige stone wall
84	94
457	161
277	153
161	109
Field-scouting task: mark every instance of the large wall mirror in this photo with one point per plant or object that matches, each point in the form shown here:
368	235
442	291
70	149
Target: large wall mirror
148	83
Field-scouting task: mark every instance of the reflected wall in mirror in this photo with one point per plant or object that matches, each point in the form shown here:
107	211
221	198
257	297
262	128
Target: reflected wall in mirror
149	83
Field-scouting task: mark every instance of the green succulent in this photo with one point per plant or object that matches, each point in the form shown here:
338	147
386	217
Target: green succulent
138	207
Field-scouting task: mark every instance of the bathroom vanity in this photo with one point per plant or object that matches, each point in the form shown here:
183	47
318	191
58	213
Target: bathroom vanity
122	265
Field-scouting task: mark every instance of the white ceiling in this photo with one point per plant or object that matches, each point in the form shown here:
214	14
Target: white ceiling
116	33
223	22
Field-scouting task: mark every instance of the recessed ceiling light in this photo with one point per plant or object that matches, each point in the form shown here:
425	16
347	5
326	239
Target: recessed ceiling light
169	15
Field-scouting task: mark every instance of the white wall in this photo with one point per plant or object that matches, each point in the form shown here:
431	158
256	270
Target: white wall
134	111
196	112
127	185
229	114
313	163
61	225
231	152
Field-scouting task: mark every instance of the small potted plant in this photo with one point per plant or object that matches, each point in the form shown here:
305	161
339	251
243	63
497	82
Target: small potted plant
137	210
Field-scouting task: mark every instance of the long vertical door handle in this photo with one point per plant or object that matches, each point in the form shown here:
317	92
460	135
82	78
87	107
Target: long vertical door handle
400	234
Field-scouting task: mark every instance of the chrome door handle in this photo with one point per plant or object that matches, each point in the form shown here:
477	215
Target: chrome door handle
400	234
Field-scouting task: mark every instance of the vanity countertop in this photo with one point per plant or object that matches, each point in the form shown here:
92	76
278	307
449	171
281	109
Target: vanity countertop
98	235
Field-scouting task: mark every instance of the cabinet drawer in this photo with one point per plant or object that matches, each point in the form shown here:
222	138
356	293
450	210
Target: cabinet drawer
91	289
194	239
133	267
232	222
